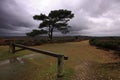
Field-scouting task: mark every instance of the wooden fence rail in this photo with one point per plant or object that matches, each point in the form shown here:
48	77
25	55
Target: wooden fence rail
60	57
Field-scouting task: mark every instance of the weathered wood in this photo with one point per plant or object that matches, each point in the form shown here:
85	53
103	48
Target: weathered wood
60	57
60	67
12	48
40	51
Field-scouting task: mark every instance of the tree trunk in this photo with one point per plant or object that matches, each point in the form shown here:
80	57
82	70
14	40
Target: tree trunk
50	33
50	37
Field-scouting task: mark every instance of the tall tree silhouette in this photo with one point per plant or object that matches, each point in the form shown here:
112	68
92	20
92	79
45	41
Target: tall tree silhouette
56	19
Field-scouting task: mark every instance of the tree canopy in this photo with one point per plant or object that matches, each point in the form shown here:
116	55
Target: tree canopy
36	32
56	19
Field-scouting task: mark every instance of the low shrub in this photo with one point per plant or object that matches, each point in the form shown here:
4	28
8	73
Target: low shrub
113	44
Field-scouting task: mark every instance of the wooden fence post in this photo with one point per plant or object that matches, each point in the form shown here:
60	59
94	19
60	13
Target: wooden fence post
12	48
60	67
60	57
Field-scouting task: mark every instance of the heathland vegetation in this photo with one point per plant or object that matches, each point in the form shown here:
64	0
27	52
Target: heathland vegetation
112	43
85	62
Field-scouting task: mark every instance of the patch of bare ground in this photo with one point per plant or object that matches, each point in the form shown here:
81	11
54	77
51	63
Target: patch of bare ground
97	65
85	63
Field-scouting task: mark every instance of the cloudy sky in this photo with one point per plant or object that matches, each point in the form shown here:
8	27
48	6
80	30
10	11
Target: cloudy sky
92	17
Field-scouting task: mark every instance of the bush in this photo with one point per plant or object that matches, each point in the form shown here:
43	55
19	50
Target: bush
113	44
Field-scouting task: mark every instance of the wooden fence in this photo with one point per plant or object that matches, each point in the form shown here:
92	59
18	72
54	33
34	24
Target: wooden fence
60	57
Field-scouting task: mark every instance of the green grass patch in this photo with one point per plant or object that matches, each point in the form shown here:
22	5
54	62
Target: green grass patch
5	54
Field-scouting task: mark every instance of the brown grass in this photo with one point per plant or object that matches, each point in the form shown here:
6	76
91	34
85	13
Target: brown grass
85	63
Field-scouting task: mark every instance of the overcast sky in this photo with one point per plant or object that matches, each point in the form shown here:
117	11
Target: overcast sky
92	17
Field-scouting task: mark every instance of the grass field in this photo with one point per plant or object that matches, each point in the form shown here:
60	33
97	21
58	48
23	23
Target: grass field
85	63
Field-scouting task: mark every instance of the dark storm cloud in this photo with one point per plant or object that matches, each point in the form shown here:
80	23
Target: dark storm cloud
92	17
12	17
98	17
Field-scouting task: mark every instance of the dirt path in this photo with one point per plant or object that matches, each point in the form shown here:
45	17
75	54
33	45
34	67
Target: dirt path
88	62
85	63
91	63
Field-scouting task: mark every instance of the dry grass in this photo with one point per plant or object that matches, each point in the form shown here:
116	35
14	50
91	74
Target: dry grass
85	63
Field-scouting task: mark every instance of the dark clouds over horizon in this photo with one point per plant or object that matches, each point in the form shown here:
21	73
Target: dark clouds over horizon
92	17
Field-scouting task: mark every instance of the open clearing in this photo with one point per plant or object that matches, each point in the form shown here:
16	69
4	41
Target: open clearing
85	63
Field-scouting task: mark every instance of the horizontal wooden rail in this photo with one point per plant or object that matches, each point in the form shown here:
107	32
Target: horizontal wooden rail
40	51
60	57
